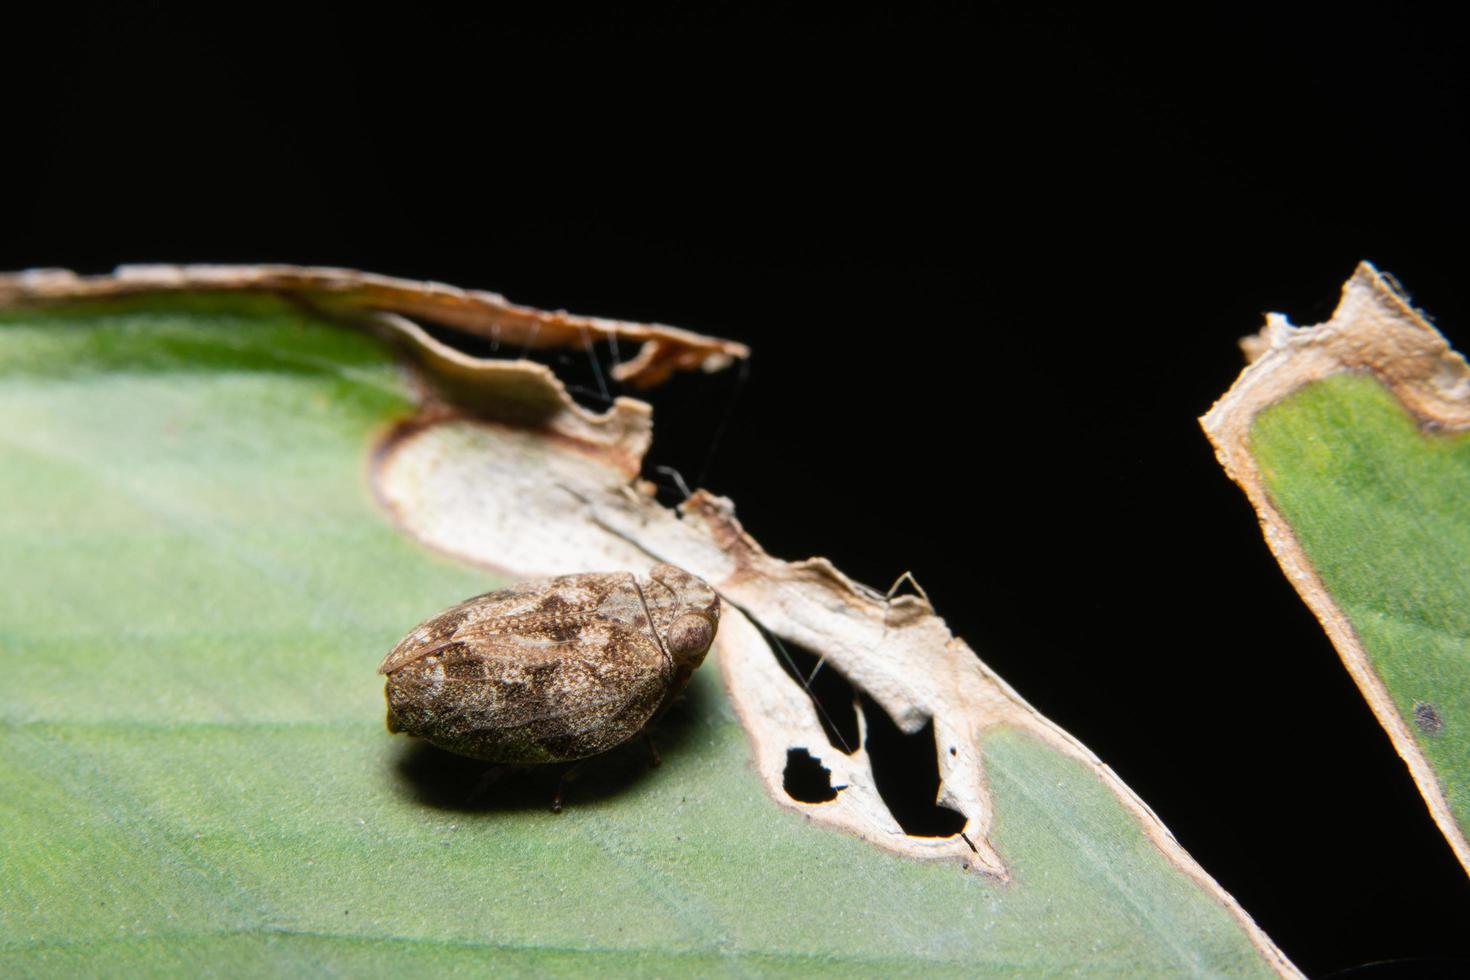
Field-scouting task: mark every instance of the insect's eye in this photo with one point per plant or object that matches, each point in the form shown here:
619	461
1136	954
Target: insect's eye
689	635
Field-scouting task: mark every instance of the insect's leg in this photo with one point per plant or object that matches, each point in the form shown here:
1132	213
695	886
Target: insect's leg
568	774
909	578
654	759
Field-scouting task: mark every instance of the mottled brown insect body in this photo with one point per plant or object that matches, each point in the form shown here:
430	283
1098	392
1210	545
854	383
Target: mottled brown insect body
552	669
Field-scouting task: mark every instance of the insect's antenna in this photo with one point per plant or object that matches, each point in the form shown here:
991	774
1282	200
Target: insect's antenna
805	682
531	339
596	366
614	350
678	479
709	454
576	493
821	662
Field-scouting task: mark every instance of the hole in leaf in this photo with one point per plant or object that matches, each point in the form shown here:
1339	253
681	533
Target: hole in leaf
906	771
693	417
806	779
831	693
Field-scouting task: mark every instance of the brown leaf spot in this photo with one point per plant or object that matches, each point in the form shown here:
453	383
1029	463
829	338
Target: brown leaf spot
1426	716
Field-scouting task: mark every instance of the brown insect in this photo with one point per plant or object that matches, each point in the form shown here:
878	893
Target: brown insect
554	669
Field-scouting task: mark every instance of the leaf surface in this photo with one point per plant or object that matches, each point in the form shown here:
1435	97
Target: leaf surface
196	585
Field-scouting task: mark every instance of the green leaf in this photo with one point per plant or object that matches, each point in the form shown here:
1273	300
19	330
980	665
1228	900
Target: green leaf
196	585
1344	436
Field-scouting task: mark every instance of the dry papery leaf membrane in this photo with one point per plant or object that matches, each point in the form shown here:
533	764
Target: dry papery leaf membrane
1374	331
503	468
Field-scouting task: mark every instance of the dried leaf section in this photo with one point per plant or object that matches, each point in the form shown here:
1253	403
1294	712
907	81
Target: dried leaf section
1349	439
511	498
345	291
502	468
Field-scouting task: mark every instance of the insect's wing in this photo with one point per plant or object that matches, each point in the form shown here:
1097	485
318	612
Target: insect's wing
551	669
435	633
592	675
523	698
538	607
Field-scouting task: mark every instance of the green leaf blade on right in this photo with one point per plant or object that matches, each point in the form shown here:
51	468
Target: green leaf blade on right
1351	439
1380	506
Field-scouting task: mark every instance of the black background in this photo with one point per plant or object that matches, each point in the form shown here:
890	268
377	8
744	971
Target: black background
992	259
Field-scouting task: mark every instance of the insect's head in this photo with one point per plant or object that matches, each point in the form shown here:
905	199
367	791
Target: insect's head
696	616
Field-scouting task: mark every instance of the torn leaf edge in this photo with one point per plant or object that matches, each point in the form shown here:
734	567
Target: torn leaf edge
1374	330
617	439
664	349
